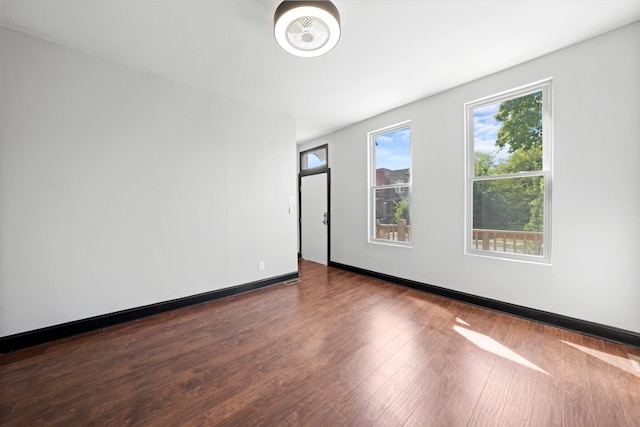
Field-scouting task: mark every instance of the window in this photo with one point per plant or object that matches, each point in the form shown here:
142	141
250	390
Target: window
509	174
316	158
390	185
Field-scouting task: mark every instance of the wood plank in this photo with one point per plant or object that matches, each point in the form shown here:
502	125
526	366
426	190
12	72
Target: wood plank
526	376
606	402
490	403
624	379
548	405
578	402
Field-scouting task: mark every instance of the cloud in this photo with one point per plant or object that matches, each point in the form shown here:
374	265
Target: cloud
485	130
399	136
392	159
393	149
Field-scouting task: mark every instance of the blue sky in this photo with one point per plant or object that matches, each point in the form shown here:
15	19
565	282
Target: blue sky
485	130
313	161
393	149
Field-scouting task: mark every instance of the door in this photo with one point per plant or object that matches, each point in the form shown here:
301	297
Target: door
314	218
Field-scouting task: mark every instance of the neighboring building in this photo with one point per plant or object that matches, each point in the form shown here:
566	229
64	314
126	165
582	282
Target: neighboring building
385	206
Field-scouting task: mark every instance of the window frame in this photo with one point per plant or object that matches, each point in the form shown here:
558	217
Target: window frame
373	187
546	172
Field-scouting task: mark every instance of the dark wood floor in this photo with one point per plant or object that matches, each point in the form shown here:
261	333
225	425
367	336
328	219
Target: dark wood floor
334	349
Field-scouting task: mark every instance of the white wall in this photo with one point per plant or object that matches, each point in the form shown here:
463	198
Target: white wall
120	189
595	271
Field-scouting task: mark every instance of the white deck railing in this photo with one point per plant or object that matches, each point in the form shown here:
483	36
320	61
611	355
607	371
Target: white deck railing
399	232
524	242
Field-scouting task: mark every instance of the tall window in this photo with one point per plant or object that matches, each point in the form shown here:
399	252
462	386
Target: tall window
390	184
509	174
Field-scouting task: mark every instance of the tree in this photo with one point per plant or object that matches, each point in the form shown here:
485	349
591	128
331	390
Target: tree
484	162
401	208
521	161
521	131
521	122
536	220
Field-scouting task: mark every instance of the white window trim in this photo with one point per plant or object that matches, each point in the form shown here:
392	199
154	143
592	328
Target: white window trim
545	86
372	187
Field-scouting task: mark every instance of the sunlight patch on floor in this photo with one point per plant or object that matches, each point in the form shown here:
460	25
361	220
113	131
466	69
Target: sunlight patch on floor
626	365
493	346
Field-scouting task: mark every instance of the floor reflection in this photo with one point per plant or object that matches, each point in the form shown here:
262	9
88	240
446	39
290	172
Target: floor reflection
493	346
459	320
626	365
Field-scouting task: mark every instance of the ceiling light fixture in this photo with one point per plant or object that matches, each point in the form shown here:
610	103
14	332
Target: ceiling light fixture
307	28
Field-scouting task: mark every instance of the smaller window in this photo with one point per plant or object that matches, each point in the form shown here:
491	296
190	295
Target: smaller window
390	185
315	158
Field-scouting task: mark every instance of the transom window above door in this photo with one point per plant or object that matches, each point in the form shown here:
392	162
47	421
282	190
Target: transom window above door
316	158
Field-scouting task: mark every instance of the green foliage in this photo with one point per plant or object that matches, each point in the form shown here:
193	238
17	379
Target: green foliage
506	204
536	220
521	123
521	161
484	162
401	210
512	203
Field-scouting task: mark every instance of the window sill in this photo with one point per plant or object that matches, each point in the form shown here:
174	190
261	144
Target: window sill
391	243
531	259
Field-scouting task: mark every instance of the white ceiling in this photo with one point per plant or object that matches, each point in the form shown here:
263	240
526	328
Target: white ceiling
391	52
